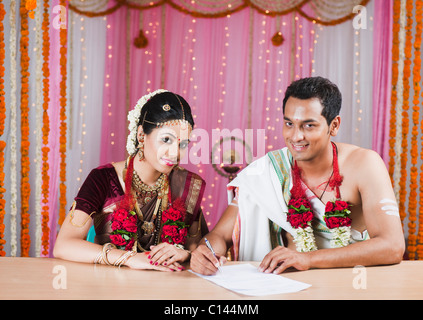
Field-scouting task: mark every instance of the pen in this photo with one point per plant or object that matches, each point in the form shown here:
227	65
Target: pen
211	249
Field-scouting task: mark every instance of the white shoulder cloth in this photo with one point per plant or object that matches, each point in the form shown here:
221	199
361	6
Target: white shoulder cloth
260	199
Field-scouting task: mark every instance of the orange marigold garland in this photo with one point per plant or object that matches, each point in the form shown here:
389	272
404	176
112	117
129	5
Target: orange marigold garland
63	126
2	121
25	163
406	121
395	58
412	201
30	6
419	27
46	129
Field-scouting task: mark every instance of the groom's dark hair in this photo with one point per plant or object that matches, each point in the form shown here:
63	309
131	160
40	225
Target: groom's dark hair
317	87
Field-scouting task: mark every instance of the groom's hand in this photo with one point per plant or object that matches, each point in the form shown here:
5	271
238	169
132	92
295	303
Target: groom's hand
282	258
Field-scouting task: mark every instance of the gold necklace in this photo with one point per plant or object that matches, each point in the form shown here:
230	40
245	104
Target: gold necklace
153	227
145	192
161	187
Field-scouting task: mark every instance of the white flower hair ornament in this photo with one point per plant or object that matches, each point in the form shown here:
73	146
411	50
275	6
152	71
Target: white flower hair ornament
134	118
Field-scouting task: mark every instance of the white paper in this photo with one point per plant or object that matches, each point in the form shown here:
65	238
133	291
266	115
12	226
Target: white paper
246	279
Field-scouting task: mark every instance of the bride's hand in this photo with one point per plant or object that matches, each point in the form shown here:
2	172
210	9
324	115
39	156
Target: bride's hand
141	261
168	255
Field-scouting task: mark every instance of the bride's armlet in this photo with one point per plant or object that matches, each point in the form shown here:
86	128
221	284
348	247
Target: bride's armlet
71	241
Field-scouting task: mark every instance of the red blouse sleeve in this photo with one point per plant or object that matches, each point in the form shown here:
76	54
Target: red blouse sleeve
101	184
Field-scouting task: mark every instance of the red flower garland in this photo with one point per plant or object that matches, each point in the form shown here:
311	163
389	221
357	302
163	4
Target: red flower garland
336	214
300	213
174	229
124	226
124	219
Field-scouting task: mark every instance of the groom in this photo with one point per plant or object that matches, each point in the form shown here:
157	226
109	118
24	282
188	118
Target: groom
264	222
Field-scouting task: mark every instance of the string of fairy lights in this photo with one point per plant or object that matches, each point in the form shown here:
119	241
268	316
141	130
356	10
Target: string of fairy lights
357	77
82	97
271	57
190	68
356	102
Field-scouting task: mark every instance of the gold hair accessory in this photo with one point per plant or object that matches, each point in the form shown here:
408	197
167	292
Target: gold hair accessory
183	123
182	106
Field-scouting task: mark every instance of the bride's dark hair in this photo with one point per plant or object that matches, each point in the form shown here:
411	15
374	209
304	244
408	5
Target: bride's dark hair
155	111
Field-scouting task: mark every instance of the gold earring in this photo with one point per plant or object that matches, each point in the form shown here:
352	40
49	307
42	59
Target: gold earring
141	148
141	153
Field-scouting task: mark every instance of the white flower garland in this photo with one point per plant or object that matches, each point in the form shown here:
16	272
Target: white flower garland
134	118
304	239
399	104
13	131
340	237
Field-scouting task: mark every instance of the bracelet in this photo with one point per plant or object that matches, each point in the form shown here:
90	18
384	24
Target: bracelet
99	258
106	249
124	257
179	246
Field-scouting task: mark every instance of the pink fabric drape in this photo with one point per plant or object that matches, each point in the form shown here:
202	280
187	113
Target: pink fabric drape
113	122
54	134
227	69
382	75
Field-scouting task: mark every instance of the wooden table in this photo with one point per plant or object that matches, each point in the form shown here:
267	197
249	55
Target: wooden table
44	278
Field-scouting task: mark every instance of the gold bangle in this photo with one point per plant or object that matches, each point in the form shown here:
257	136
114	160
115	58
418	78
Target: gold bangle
129	256
179	246
106	249
120	259
124	257
99	257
